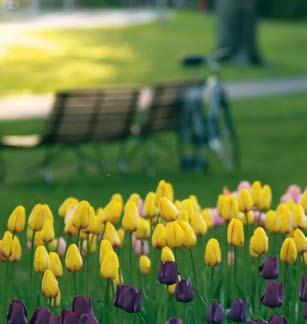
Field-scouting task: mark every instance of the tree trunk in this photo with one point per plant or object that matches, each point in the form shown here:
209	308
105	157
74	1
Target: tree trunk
237	30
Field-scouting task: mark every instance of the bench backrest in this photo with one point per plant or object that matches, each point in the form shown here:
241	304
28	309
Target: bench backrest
91	115
164	110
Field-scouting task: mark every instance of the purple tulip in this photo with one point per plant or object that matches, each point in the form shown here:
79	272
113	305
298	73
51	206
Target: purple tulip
83	305
17	313
184	291
70	317
238	311
273	295
215	313
256	322
128	298
168	272
269	269
88	319
303	289
174	320
40	316
278	320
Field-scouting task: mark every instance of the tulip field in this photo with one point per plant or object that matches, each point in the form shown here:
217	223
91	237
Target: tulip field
157	259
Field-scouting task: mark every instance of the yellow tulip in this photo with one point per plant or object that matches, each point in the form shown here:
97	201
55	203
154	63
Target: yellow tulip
109	266
131	219
256	192
118	197
171	288
47	232
93	243
73	259
298	216
305	258
230	208
41	259
111	235
167	209
288	252
70	229
16	250
207	217
213	255
150	208
235	233
50	286
38	239
17	219
158	239
36	220
121	235
7	243
145	265
82	214
303	201
164	189
143	230
259	242
167	254
135	197
198	224
300	241
271	221
188	206
66	205
113	211
245	202
183	216
55	264
174	235
284	219
221	200
189	235
105	247
266	198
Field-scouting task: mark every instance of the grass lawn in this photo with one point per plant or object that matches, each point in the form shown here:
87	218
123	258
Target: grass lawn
272	135
50	60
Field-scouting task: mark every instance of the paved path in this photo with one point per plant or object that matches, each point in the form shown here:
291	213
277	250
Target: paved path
29	106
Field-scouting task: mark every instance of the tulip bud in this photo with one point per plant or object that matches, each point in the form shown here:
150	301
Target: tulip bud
113	211
105	247
266	198
36	220
150	208
168	209
255	192
55	264
50	286
17	313
164	189
278	320
238	311
16	250
298	216
109	266
213	255
70	229
230	208
288	252
168	273
259	242
145	264
111	235
7	243
41	259
47	232
303	201
303	289
131	219
73	259
174	320
143	230
16	221
184	291
300	241
167	254
269	269
198	224
66	204
220	204
158	238
189	235
174	235
215	313
273	295
128	298
271	222
235	233
284	220
245	202
81	216
207	216
121	235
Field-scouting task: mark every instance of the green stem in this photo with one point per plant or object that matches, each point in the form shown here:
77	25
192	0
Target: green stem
130	256
31	269
106	302
235	273
86	265
75	283
257	298
165	305
212	278
193	267
78	238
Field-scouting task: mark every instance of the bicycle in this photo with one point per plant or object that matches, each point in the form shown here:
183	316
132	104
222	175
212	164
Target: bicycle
212	124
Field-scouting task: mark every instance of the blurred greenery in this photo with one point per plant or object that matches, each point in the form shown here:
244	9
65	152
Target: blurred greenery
272	133
47	61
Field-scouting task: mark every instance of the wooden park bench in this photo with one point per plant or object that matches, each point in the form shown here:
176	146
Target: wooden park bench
80	116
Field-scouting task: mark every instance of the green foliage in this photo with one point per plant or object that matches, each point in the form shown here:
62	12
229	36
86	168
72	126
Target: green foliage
283	8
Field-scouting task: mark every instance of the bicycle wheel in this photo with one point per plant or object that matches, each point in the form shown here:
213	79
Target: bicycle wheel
223	139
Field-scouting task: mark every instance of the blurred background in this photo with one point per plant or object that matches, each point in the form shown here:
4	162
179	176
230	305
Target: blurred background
50	46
